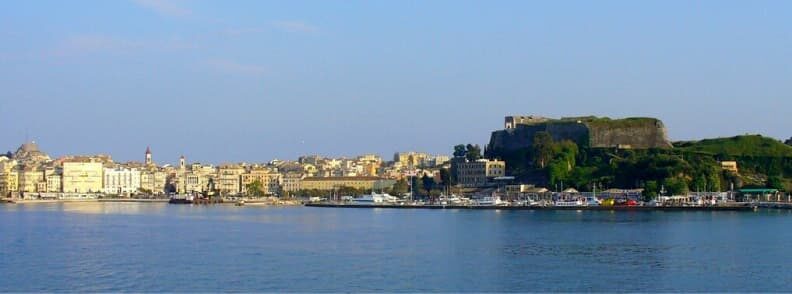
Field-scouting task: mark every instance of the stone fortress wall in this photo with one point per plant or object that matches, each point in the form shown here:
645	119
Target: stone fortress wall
593	132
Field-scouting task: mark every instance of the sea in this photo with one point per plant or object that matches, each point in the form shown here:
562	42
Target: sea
159	247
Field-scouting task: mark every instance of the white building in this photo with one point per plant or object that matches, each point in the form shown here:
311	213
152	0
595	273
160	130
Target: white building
121	180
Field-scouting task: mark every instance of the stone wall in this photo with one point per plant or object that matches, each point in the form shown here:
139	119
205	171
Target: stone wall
637	133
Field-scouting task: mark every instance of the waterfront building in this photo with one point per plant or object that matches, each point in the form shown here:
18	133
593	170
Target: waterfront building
291	182
479	173
9	178
82	175
121	180
228	178
31	180
270	180
153	180
53	177
332	183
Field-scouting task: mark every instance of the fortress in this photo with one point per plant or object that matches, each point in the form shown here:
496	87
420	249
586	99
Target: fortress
589	131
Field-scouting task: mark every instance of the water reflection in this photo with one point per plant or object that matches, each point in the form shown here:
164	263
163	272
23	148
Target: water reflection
139	246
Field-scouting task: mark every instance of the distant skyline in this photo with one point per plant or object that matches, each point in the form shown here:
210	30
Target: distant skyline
256	80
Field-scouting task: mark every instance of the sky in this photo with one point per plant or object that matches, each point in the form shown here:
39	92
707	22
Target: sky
231	81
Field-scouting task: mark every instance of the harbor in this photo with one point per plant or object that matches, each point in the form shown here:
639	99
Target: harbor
735	207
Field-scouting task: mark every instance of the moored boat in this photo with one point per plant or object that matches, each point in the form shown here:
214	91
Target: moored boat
181	199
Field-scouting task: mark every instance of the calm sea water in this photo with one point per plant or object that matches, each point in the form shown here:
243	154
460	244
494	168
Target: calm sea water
160	247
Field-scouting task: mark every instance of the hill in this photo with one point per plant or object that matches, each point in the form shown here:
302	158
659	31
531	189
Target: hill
739	146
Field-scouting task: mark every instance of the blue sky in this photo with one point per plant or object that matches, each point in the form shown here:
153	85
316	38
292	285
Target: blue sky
223	81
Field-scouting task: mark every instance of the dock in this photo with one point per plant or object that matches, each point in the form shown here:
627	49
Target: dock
593	208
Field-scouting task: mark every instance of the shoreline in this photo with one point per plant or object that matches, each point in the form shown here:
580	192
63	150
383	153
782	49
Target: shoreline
592	208
132	200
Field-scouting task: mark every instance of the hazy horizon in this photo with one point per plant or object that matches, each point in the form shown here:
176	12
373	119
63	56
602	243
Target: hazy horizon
256	80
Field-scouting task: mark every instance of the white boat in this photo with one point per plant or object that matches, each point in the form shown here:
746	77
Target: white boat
375	198
527	202
569	203
491	201
450	200
592	201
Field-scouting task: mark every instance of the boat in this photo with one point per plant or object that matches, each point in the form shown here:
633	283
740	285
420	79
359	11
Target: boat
570	203
451	200
375	198
592	201
490	201
181	199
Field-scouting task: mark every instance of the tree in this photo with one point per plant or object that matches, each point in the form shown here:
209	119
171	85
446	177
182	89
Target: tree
459	150
542	148
774	182
473	152
789	141
417	185
676	186
428	183
445	177
400	187
651	188
255	189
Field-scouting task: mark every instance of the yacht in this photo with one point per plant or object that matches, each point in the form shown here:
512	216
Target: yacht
491	201
569	203
450	200
375	198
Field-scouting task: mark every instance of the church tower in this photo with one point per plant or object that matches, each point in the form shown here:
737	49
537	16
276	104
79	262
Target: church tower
148	155
182	162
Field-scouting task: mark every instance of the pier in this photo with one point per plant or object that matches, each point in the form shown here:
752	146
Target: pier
594	208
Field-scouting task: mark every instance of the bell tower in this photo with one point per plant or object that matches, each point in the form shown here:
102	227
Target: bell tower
148	155
182	162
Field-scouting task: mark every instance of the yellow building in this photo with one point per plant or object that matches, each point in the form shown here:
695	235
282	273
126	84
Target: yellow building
291	182
82	175
32	180
153	180
228	179
270	181
53	182
9	183
411	159
331	183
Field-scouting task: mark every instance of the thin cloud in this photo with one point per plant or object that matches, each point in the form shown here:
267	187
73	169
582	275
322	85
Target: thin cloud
89	44
164	7
295	26
235	32
233	67
84	44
